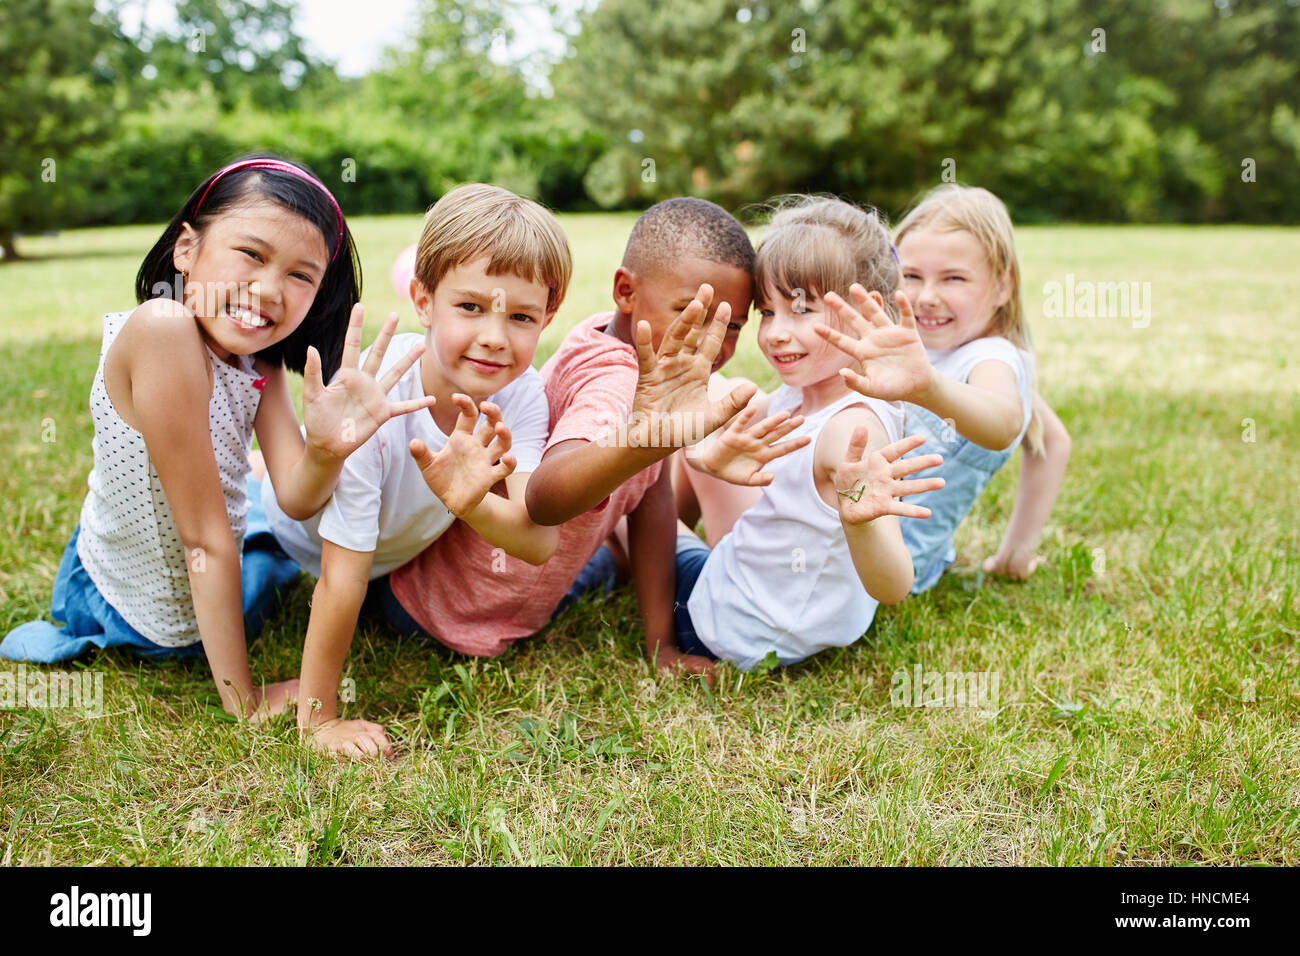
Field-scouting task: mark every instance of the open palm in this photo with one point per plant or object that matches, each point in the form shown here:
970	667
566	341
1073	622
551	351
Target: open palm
673	383
867	483
342	416
466	468
740	451
891	361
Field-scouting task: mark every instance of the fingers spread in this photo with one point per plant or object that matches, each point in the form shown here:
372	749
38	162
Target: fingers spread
717	333
857	444
895	450
420	452
908	511
400	367
844	343
916	486
352	340
375	357
311	377
736	399
910	466
905	311
645	355
859	383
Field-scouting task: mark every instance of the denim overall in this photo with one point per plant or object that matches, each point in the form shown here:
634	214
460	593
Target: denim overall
967	469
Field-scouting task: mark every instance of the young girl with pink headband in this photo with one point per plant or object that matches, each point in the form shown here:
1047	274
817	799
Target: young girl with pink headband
254	276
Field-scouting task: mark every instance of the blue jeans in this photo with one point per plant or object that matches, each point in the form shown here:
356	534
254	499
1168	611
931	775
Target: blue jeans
691	555
90	621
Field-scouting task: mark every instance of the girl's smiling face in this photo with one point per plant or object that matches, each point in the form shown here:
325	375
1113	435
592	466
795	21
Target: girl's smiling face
785	334
947	279
253	274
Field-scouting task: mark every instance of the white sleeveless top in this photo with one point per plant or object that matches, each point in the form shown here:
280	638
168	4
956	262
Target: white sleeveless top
128	541
783	578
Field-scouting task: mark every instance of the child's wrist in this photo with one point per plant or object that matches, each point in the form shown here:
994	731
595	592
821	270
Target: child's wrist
927	395
314	712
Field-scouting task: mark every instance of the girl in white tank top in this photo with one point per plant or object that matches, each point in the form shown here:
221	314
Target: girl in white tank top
803	568
255	274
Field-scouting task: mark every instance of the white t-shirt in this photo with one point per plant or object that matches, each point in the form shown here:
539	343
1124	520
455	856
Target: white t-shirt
381	502
958	363
783	578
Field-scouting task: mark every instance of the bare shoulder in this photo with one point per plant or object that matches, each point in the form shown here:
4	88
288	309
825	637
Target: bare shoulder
833	439
160	343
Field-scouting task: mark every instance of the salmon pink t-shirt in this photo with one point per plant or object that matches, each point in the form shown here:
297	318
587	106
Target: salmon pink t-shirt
474	597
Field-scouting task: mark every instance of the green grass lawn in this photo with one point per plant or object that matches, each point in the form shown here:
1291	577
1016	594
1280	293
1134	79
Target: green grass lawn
1149	685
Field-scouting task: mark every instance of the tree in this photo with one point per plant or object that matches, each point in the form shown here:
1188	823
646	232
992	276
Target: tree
56	70
243	49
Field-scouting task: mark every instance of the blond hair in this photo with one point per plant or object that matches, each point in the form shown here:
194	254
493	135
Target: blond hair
952	207
516	235
820	244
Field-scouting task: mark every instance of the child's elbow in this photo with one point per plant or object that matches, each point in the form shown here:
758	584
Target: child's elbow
894	594
893	590
543	548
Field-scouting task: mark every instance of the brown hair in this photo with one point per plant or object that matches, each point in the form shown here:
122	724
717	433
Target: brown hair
952	207
518	237
820	244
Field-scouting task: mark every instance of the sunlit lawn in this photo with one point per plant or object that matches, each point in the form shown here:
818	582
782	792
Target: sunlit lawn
1149	672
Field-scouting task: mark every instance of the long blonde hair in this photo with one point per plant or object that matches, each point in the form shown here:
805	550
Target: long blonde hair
952	207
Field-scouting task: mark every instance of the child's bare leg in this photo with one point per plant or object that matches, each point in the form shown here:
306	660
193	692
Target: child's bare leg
688	508
1041	477
617	544
258	464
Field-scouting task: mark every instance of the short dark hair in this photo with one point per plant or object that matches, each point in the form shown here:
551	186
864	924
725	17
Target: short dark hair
326	323
675	228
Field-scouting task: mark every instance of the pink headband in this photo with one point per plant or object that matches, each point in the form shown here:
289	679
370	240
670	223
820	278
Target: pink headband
282	167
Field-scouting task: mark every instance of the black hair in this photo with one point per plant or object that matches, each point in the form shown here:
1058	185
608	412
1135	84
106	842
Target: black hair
326	323
686	226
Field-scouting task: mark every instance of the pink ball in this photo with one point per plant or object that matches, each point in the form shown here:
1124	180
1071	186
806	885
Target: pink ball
403	270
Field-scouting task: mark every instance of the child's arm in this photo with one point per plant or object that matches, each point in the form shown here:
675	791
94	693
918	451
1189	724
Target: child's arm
672	390
335	605
864	473
1040	482
468	466
339	418
986	409
651	538
163	384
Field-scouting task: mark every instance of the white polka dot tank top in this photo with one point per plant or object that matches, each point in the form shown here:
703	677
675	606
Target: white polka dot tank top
128	541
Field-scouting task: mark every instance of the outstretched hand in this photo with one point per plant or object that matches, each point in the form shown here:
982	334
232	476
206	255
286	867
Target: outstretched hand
739	452
342	416
867	484
672	386
891	360
466	468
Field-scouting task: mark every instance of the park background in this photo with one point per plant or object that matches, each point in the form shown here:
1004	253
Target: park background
1149	676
